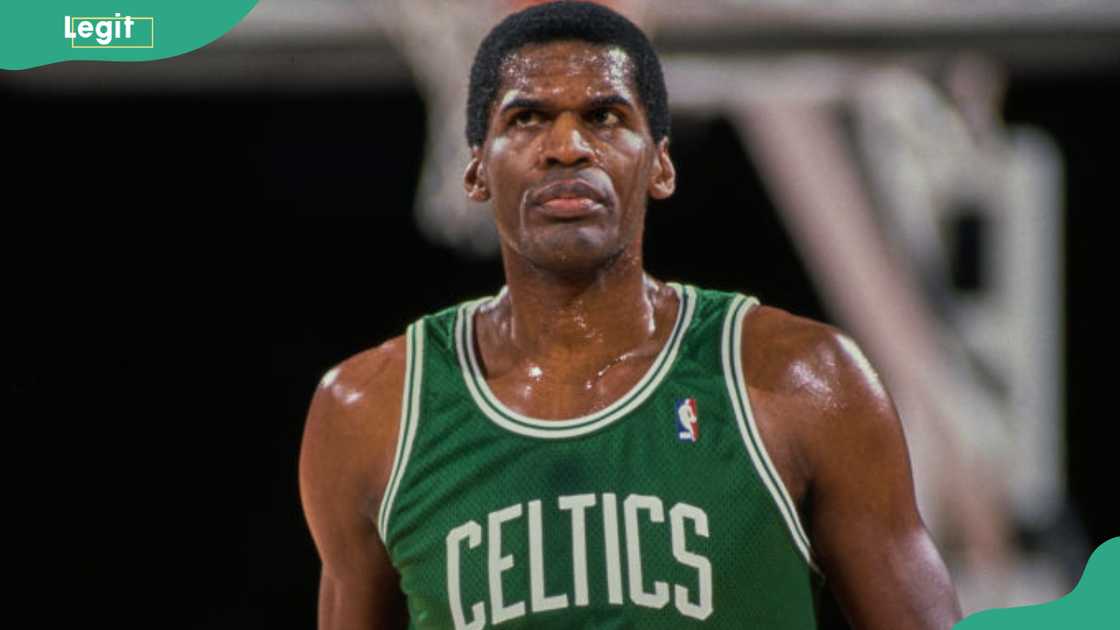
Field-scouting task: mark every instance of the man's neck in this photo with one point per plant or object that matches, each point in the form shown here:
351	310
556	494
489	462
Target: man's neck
574	324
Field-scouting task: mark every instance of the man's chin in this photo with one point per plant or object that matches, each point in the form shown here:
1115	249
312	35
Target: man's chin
576	256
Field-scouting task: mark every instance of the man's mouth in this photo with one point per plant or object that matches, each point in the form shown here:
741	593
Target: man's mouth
568	199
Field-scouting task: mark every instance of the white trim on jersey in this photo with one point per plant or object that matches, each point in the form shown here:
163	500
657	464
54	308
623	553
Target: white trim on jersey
510	420
410	414
737	391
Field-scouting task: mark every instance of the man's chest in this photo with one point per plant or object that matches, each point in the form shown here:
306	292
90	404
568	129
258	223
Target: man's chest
640	528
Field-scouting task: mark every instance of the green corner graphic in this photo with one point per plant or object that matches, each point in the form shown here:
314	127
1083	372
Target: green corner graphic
1094	604
41	32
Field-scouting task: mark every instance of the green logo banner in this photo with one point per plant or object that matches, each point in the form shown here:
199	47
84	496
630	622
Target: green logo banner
41	32
1092	605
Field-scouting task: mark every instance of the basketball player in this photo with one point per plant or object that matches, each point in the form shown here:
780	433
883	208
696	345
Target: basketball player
592	447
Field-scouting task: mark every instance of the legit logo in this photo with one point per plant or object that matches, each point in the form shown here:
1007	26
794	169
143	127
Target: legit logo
110	32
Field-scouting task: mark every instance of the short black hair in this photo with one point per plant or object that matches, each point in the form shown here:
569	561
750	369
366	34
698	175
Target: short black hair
563	20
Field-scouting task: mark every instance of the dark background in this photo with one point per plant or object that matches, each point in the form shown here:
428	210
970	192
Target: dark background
183	268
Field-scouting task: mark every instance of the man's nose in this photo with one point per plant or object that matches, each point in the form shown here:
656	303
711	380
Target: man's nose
565	143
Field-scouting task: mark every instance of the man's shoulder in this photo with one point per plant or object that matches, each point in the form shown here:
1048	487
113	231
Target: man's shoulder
788	354
368	376
352	424
372	381
814	392
357	402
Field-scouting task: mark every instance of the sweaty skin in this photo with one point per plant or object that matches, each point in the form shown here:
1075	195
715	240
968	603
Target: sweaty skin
568	165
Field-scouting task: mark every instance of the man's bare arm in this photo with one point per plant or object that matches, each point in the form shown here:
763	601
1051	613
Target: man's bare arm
866	530
348	445
837	441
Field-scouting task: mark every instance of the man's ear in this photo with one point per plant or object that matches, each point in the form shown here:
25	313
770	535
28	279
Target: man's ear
663	178
474	180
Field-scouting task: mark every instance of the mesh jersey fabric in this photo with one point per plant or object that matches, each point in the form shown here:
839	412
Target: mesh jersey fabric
661	510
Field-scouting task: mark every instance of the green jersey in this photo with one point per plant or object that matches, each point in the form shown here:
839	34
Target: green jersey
662	510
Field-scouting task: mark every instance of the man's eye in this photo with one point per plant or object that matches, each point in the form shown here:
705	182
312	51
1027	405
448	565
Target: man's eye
526	118
605	117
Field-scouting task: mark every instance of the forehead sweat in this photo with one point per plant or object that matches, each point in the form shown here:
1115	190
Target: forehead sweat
610	64
558	21
538	74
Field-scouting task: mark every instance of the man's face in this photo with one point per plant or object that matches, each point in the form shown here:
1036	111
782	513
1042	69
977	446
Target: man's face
568	161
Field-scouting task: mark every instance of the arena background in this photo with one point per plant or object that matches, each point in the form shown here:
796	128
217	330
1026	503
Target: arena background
193	242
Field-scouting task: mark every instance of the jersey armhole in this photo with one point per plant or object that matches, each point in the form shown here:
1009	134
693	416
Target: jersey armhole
732	357
410	413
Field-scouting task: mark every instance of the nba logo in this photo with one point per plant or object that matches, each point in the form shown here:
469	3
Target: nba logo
688	425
